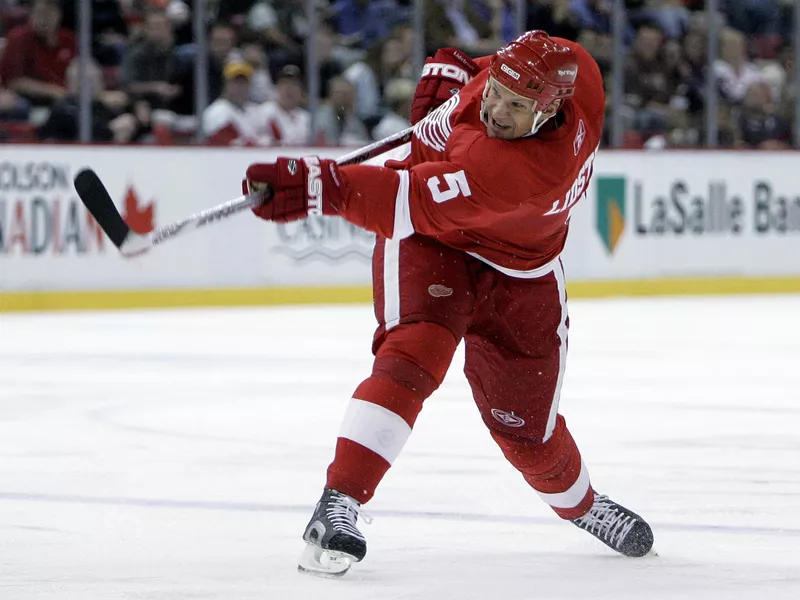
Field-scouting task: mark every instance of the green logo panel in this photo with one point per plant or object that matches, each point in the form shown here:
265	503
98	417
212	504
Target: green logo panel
610	210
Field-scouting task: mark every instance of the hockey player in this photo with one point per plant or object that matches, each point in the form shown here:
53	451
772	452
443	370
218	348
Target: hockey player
471	219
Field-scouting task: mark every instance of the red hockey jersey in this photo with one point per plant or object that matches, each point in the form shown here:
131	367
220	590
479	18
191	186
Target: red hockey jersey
506	202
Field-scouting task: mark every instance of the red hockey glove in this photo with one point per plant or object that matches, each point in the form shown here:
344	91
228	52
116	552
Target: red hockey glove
298	188
442	76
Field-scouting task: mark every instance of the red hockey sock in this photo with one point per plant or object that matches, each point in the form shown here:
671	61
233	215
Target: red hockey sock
554	469
409	366
356	470
376	426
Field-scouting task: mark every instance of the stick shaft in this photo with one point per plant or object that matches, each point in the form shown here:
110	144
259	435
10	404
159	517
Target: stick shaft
376	148
226	209
205	217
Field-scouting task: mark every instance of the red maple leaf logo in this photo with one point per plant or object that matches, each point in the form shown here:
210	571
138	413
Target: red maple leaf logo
139	219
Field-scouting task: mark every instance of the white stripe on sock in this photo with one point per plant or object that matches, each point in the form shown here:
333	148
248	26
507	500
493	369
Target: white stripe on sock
572	497
375	428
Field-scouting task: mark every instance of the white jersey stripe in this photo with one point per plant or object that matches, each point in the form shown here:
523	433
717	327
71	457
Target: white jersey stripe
532	274
403	227
391	282
562	332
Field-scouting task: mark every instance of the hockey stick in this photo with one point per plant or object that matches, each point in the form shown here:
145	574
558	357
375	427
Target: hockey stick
99	203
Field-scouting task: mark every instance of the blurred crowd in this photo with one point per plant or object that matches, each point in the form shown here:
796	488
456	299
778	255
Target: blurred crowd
142	72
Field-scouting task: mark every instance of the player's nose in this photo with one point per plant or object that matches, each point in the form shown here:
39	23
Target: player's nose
500	111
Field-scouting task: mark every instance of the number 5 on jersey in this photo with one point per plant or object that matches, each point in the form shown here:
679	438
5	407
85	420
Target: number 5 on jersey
456	184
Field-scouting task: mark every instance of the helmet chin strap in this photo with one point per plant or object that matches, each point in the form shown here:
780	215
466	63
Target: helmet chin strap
537	118
484	115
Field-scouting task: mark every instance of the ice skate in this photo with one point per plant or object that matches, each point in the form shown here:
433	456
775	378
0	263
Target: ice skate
334	542
617	527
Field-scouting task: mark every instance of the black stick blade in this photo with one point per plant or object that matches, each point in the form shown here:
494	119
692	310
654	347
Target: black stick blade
96	199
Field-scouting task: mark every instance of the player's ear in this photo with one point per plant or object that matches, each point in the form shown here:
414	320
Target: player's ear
554	107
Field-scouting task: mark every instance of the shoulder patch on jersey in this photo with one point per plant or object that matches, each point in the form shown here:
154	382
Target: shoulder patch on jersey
435	129
579	137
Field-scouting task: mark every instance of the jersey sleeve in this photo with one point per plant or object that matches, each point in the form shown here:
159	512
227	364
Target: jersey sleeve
483	61
431	198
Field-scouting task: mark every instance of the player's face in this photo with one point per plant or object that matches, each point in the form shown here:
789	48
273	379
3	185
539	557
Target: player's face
507	115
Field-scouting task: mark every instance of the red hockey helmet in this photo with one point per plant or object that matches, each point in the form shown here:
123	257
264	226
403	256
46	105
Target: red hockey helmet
534	66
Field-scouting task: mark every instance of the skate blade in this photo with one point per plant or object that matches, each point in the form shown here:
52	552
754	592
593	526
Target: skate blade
324	563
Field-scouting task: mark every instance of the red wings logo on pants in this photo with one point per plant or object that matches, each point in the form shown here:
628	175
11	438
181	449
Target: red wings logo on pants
438	290
509	419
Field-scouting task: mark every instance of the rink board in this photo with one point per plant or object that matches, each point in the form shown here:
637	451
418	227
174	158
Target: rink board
652	223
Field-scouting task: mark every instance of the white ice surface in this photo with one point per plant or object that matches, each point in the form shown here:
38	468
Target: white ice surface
171	455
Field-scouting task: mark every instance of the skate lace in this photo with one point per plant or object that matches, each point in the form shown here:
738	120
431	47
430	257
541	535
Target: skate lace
343	512
605	520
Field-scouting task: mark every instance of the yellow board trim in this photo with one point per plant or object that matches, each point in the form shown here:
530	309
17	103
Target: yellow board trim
108	300
100	300
684	287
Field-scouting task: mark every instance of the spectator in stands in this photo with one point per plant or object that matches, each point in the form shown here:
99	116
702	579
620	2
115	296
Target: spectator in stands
109	29
12	14
336	121
759	20
363	22
556	17
670	16
289	123
384	62
788	95
230	11
600	46
596	15
759	123
221	46
149	68
13	107
733	70
180	15
474	26
694	57
330	57
233	119
398	95
407	37
684	116
262	88
37	54
593	14
284	27
504	13
114	118
647	82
